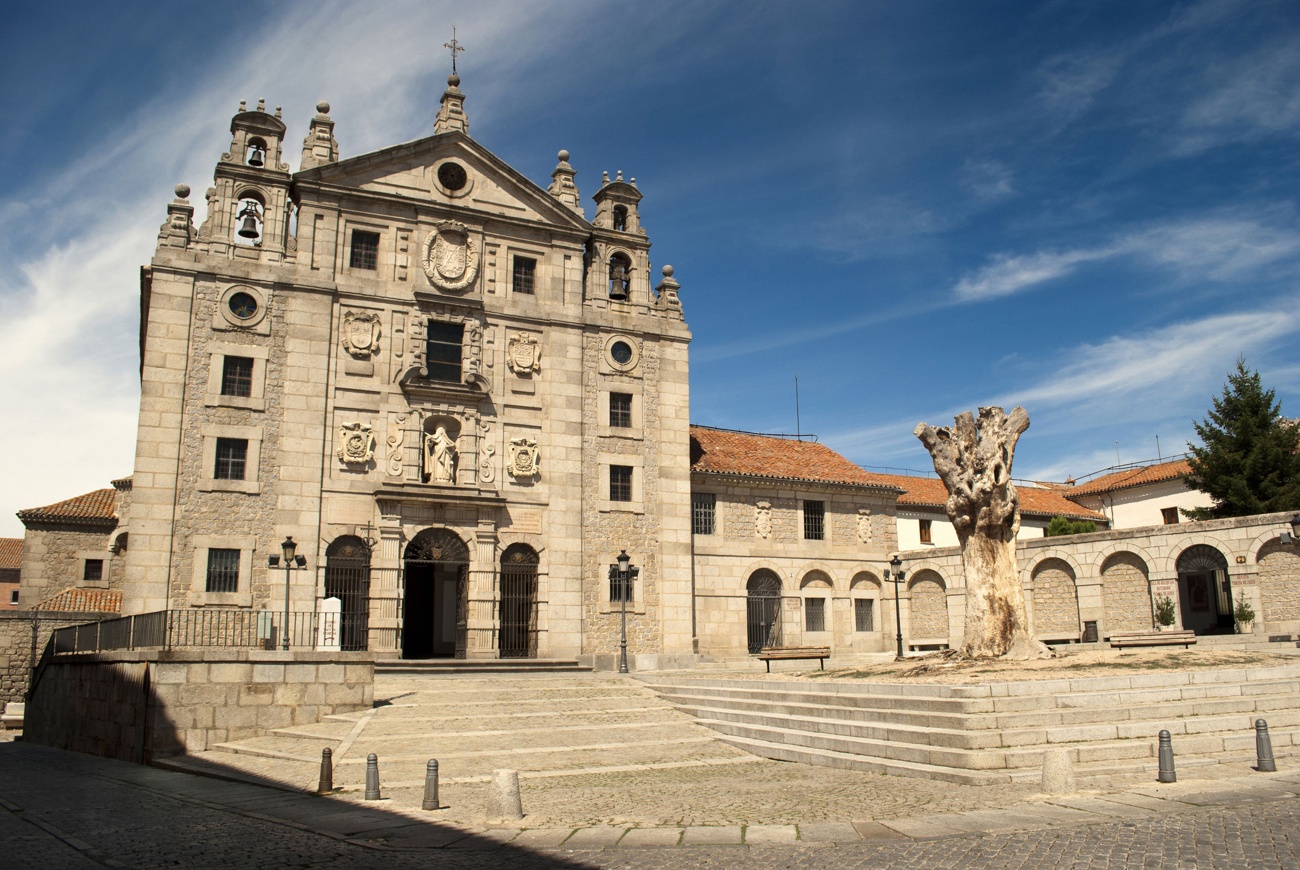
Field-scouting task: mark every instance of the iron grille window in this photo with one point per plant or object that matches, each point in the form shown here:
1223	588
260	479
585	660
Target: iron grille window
926	533
365	250
814	520
232	458
620	483
525	274
237	376
620	589
94	570
814	612
864	614
620	410
223	570
703	511
443	350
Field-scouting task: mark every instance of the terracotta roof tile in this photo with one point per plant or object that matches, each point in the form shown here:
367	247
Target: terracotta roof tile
930	492
84	601
1157	473
721	451
11	553
93	507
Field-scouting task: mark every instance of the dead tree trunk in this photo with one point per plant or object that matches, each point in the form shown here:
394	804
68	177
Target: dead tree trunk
973	459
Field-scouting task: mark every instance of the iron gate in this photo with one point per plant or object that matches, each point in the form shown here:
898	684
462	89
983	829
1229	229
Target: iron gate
763	610
347	578
518	634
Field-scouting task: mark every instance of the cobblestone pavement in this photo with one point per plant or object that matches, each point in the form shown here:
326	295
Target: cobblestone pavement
61	809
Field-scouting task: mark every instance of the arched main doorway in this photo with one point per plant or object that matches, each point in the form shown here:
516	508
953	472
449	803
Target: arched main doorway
518	637
347	578
763	609
435	601
1204	591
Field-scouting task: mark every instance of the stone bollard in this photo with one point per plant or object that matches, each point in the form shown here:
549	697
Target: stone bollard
1166	759
326	771
431	786
372	777
1058	772
1264	762
504	803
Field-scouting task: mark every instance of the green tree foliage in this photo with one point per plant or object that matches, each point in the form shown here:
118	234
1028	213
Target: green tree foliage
1249	458
1062	526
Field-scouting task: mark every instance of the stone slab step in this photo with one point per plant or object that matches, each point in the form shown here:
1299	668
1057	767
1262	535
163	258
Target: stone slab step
479	666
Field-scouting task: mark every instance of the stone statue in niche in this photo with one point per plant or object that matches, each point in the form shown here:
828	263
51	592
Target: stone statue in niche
440	457
361	334
523	458
864	525
396	435
523	354
450	256
356	443
763	519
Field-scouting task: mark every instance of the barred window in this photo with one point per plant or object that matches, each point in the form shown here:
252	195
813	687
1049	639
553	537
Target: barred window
703	510
525	275
621	589
443	350
237	376
864	614
814	520
814	612
365	250
94	570
232	458
223	570
620	483
620	410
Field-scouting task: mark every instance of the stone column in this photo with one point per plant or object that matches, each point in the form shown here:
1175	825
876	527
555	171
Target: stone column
385	593
481	624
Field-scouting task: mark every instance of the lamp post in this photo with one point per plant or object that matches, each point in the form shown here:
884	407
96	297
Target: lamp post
291	561
897	578
1294	534
622	574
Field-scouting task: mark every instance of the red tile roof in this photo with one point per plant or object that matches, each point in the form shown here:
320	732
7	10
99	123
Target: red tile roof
11	553
722	451
84	601
89	509
1132	477
930	492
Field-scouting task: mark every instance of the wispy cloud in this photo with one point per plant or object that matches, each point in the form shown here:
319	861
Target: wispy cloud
1246	98
988	179
1012	273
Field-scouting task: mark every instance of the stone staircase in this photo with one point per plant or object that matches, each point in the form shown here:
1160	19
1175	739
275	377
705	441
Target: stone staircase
479	666
997	733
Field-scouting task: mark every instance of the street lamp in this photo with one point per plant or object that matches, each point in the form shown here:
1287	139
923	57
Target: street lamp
288	548
1294	534
897	578
621	576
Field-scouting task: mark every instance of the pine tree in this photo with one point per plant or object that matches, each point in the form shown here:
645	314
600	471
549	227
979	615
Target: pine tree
1249	458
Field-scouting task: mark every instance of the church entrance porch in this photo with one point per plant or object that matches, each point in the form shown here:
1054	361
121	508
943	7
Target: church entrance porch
435	596
1204	590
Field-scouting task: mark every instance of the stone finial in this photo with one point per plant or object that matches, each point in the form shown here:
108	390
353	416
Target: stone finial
243	106
261	105
178	230
604	177
451	113
182	191
323	108
562	186
666	292
279	113
320	146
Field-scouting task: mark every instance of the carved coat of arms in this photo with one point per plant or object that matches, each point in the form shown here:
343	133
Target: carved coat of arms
361	334
450	256
763	519
523	354
522	457
356	443
864	525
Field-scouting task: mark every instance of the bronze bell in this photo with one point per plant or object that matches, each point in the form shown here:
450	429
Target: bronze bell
248	229
257	157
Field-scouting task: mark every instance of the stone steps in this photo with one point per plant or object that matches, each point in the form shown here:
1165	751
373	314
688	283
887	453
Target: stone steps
479	666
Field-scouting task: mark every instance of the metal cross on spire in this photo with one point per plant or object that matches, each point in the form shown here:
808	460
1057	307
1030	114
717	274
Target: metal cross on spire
455	47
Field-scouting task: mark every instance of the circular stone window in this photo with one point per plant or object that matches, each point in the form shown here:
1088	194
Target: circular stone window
452	176
621	353
242	305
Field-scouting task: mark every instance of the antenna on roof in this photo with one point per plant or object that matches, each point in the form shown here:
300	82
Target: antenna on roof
1158	459
798	432
1117	462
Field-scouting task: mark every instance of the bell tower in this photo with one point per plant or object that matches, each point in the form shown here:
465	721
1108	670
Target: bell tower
618	265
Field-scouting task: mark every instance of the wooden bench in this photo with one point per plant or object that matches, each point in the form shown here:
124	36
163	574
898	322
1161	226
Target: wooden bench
770	654
1153	638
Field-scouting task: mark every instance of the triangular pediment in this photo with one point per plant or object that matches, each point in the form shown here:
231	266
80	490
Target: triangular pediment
410	170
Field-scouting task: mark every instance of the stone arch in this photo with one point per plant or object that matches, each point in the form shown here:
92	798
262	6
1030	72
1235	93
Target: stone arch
1041	556
1169	564
929	596
1204	588
1056	599
1279	582
867	582
435	595
763	609
347	578
1101	556
1126	592
517	637
816	579
866	591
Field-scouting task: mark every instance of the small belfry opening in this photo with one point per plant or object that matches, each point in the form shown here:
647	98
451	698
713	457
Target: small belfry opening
620	276
249	220
255	152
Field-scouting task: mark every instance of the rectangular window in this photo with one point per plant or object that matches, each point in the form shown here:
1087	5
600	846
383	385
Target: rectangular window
814	520
703	510
223	570
237	376
814	611
620	410
620	483
13	598
525	272
365	250
1170	516
864	614
232	458
442	351
94	570
621	589
925	531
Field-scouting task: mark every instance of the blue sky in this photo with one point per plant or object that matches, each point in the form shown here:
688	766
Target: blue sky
1088	209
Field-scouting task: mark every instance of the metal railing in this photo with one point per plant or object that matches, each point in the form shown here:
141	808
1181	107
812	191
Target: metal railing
208	628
